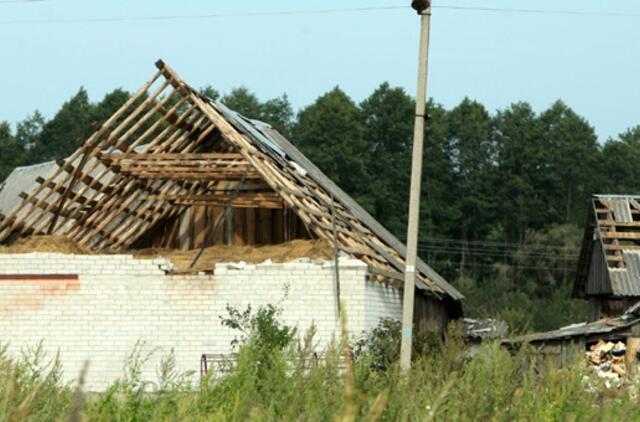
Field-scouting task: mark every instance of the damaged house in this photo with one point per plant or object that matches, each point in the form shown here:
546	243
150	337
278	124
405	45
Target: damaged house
608	273
608	276
174	208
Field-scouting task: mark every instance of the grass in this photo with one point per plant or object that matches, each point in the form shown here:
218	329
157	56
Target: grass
286	383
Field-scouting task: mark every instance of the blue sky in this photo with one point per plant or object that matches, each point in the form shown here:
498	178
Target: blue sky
591	62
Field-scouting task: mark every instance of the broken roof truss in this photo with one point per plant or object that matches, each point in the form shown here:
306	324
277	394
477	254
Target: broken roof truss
168	148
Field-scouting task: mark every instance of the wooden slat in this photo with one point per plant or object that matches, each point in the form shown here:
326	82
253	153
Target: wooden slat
608	223
621	235
251	227
167	156
612	247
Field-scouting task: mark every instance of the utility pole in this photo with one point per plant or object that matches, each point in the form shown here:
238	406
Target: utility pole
423	7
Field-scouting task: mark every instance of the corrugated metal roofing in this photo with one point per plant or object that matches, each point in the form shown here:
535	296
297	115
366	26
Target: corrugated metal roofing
603	326
22	179
272	139
578	330
626	281
620	279
621	209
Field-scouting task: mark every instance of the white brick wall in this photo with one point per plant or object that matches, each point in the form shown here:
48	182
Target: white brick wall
119	300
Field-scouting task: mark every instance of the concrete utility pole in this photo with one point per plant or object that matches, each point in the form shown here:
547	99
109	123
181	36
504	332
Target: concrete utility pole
423	7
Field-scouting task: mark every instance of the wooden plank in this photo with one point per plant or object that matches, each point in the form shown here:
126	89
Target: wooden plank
239	219
612	247
199	224
212	176
183	232
174	156
607	210
250	215
239	204
228	227
631	355
215	196
621	235
607	223
219	235
61	202
278	226
264	226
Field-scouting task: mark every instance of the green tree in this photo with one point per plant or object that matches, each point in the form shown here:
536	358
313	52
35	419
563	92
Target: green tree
522	171
619	157
111	102
388	133
62	135
29	131
277	111
473	156
11	152
330	132
572	149
210	92
438	210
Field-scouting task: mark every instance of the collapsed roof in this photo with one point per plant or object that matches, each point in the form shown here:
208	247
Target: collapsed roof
605	328
169	148
609	262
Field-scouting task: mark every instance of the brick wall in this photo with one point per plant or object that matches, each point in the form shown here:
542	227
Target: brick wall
117	300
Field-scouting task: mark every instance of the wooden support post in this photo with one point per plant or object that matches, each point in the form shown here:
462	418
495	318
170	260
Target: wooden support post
183	230
218	222
336	252
633	348
228	227
251	226
65	195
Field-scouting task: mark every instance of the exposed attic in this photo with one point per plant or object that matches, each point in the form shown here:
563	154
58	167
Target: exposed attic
174	169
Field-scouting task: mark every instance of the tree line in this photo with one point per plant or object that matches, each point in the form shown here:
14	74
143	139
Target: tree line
505	194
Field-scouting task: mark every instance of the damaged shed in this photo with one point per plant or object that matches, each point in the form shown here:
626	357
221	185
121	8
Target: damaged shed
608	273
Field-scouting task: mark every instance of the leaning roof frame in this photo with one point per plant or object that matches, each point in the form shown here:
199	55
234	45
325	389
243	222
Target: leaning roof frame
107	206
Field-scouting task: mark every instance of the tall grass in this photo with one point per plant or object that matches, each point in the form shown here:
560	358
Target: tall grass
288	383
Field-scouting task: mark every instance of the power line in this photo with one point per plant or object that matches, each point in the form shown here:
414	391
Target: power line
21	1
497	254
203	16
537	11
508	266
303	12
500	245
497	244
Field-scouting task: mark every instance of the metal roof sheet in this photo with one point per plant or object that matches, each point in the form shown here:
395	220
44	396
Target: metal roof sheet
602	326
626	281
621	209
22	179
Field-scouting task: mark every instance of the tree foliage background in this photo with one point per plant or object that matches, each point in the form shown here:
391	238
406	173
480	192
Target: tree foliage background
504	198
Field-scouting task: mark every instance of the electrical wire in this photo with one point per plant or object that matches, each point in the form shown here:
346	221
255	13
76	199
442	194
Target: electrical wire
203	16
498	255
502	245
537	11
508	266
307	12
21	1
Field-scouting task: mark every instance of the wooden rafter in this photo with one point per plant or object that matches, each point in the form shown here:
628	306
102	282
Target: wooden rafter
168	149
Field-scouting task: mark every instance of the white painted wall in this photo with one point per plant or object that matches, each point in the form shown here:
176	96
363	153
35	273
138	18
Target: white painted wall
119	300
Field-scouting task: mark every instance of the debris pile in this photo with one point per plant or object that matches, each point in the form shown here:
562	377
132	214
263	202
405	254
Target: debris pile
476	330
51	244
283	252
607	361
